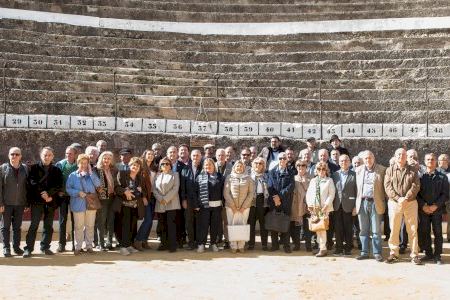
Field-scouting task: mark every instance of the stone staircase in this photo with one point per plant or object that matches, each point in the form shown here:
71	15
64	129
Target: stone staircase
370	77
240	10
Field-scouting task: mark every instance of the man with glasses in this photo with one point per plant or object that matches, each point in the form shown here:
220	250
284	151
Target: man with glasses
281	187
305	156
13	199
245	158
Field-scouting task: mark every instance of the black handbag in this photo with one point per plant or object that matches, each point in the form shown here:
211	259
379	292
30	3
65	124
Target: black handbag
277	221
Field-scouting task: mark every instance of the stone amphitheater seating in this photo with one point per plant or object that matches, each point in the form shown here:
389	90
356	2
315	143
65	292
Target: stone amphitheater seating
364	77
240	10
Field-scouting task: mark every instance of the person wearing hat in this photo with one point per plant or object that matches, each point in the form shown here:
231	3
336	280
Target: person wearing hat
335	144
125	156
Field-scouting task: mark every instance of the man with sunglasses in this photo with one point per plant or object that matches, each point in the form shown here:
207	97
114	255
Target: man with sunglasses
245	158
13	199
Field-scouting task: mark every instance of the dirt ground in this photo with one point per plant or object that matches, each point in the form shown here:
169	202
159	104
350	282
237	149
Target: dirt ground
187	274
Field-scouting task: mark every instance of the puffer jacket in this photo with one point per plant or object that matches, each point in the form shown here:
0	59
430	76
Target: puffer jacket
238	191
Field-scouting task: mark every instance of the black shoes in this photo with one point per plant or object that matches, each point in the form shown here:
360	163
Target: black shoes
61	248
287	249
362	257
47	252
18	251
7	252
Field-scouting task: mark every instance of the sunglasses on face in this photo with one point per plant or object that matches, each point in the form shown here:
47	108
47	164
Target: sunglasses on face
321	169
15	154
282	158
245	154
165	164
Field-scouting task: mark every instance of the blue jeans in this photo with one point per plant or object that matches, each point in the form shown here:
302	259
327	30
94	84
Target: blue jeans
146	226
370	223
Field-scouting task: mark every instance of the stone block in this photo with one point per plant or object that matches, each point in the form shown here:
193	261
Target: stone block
104	123
154	125
311	130
37	121
329	129
199	127
129	124
292	130
372	130
351	130
248	129
81	122
58	121
392	130
269	129
414	130
439	130
178	126
229	128
17	121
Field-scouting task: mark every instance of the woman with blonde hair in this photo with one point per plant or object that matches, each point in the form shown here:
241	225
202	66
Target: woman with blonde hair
79	184
131	189
209	189
259	207
106	172
238	194
319	198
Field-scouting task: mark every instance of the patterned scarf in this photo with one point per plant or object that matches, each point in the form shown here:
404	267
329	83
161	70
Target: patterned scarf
203	179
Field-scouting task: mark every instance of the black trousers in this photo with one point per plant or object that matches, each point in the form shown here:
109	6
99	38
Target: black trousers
118	226
37	212
181	226
168	227
208	218
425	224
294	232
343	229
330	231
404	236
129	216
12	215
258	213
279	237
62	219
307	234
190	217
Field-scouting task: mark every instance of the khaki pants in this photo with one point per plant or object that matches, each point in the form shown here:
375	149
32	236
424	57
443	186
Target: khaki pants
408	212
84	228
322	239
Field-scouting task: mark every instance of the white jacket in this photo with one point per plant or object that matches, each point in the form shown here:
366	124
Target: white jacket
327	191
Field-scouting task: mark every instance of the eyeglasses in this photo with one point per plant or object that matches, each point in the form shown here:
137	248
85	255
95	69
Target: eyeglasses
14	154
321	169
259	163
165	164
282	158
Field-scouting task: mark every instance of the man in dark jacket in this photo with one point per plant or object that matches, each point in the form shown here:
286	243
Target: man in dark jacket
270	154
13	199
344	206
188	177
432	195
281	186
335	144
46	187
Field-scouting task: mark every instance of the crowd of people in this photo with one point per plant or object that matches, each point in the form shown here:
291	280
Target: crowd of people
323	197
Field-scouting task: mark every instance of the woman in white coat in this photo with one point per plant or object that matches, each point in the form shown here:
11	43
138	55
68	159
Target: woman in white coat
319	198
238	193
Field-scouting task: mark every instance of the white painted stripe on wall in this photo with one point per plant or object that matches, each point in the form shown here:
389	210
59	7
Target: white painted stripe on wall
278	28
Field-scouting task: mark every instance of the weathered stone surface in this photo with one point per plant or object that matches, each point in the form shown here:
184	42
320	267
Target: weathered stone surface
238	11
59	139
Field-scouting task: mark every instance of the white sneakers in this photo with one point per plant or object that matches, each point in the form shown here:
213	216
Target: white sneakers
131	249
201	249
124	251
